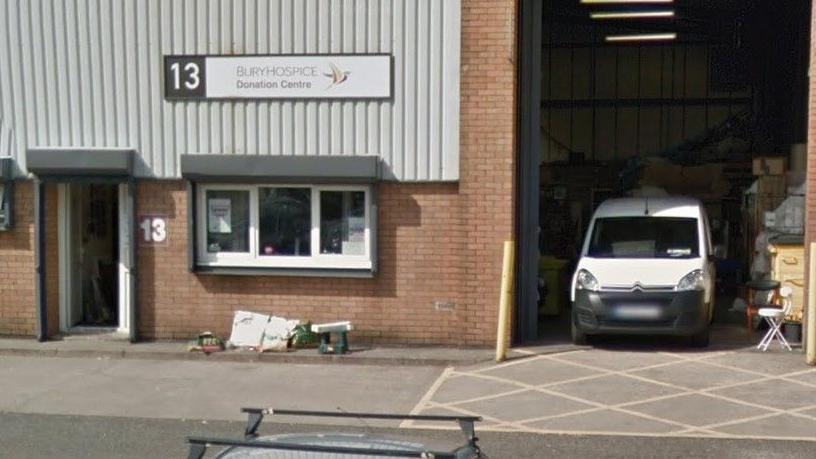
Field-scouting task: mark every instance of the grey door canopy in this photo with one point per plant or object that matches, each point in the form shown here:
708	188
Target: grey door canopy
6	193
78	162
6	168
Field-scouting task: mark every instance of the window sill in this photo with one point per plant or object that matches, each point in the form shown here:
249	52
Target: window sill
285	272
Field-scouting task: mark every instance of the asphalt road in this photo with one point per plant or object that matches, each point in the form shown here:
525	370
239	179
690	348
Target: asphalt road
43	435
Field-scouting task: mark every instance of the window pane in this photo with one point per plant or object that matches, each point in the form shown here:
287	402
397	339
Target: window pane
342	222
285	218
227	221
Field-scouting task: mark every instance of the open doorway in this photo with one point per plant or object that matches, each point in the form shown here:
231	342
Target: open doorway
89	243
691	98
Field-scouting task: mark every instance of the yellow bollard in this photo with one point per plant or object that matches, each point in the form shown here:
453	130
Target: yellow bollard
505	302
810	325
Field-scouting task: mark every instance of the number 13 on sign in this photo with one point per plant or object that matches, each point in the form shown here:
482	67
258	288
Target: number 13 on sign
185	77
191	70
154	229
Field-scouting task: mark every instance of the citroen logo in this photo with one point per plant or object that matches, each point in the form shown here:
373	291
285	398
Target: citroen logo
637	287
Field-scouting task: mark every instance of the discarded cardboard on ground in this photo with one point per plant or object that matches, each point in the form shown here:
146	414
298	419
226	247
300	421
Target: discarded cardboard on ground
261	331
277	332
248	328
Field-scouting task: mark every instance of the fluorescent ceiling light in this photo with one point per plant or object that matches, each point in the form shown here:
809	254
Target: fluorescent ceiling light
610	2
642	37
632	14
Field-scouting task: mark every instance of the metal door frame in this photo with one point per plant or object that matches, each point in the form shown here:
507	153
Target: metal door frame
126	187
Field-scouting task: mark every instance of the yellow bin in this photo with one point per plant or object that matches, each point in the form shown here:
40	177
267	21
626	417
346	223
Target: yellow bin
553	285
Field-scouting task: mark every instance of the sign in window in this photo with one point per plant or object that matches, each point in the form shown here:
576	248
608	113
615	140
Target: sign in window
227	221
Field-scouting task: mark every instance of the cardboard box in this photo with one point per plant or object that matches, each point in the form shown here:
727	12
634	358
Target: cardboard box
705	180
798	157
771	186
767	165
770	194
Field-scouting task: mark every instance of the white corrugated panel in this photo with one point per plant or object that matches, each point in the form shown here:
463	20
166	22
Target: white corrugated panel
88	73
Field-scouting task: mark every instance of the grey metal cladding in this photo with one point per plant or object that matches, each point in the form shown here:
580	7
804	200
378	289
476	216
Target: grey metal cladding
88	73
289	169
79	162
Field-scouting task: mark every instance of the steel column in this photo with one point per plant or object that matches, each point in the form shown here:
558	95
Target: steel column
529	158
40	258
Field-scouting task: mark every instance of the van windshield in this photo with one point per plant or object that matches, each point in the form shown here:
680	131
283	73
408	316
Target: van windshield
644	237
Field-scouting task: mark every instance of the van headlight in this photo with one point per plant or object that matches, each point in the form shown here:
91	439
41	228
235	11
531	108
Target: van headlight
586	281
694	280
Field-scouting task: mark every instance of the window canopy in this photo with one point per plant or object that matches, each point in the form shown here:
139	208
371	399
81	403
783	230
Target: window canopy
281	169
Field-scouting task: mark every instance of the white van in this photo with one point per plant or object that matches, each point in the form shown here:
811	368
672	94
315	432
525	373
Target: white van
646	267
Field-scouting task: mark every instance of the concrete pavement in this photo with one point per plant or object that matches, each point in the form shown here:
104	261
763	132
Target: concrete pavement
115	347
201	390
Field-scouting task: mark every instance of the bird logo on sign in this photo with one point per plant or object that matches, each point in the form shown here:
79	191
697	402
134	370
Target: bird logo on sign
337	76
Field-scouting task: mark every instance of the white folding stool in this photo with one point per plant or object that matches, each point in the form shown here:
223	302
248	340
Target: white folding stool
775	317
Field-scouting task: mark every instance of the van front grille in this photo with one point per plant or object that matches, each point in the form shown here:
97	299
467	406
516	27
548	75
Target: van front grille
637	287
638	323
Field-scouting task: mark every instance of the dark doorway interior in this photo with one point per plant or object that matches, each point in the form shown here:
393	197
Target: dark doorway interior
95	255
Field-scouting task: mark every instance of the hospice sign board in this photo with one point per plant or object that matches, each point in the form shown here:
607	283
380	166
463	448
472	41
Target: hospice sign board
333	76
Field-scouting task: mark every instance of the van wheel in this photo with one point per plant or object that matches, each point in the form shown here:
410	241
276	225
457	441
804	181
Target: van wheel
578	337
701	339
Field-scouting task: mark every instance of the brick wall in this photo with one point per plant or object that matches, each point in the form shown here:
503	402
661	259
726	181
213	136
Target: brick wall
810	199
18	308
488	129
421	261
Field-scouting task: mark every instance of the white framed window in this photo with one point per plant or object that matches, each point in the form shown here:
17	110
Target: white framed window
284	226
